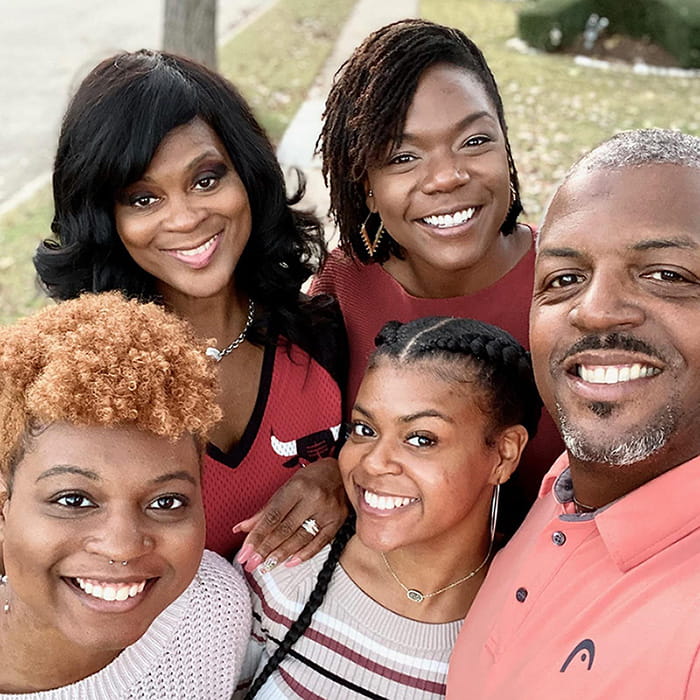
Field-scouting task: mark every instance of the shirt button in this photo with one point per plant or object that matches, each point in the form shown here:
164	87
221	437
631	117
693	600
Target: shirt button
558	538
521	594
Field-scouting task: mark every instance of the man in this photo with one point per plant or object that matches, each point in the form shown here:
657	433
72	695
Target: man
598	594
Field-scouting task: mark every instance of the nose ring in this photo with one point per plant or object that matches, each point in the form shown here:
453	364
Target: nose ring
112	562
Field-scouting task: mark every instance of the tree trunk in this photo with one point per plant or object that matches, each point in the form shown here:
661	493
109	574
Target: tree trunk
189	29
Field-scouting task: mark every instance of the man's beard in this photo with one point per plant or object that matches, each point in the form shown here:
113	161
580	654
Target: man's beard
628	449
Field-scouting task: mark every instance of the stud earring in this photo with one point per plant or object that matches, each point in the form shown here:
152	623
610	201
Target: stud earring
370	245
370	193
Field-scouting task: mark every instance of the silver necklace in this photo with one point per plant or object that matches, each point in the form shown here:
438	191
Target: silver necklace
219	355
417	596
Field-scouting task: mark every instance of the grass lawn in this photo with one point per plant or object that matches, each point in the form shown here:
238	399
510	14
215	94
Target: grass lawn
555	109
273	61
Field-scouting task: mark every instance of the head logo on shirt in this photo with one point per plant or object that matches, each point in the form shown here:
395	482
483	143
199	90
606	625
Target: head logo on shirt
308	448
586	650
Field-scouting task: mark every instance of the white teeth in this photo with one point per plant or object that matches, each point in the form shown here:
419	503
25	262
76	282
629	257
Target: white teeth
615	375
199	249
448	220
386	502
111	591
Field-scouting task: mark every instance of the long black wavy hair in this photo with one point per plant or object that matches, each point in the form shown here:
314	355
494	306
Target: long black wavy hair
366	112
113	126
458	349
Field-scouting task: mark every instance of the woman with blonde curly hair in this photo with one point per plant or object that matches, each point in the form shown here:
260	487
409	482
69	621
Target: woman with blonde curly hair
105	406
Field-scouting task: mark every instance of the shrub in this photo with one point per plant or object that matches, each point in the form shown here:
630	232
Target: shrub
672	24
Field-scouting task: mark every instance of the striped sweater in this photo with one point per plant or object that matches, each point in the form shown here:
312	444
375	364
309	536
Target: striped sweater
354	647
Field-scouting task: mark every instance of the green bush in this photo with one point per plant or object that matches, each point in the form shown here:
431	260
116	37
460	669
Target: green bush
672	24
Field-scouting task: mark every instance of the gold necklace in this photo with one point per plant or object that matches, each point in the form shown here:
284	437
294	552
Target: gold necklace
416	596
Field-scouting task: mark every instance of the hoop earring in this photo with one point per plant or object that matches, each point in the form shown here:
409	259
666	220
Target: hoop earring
370	245
6	605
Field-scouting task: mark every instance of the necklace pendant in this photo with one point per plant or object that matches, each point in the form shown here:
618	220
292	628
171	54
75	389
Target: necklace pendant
414	595
214	353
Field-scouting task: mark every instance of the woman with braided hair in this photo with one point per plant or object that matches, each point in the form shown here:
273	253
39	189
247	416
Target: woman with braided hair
443	413
425	193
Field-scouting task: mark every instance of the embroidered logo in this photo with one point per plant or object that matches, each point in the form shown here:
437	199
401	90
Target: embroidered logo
586	649
308	448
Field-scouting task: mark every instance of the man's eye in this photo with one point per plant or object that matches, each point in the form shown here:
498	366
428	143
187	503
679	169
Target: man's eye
74	500
168	502
666	276
565	280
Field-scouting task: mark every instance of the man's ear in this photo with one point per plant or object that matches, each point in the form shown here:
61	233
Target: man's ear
510	444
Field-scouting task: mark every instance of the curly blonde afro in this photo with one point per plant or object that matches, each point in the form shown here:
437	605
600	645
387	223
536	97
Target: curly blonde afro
103	360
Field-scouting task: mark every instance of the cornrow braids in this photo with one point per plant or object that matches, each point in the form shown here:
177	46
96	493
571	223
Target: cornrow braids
489	355
365	114
316	597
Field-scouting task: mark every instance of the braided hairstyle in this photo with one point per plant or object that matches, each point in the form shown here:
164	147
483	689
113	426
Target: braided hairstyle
464	348
312	604
461	348
366	112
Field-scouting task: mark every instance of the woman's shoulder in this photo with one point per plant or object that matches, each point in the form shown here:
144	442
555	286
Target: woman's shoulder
341	272
219	580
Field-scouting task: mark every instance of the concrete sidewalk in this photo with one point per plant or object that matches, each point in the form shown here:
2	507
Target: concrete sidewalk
297	145
46	48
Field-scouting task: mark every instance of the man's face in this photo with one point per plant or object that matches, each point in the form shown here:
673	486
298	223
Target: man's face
615	319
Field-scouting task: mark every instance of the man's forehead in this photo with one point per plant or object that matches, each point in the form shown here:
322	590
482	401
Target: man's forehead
627	203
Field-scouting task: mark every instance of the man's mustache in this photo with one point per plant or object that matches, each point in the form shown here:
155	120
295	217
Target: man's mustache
613	341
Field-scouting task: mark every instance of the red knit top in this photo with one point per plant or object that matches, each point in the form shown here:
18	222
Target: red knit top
369	297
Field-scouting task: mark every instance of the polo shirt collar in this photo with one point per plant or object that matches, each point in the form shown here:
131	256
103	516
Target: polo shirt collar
643	522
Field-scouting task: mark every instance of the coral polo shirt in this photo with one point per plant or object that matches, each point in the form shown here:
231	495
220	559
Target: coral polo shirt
601	605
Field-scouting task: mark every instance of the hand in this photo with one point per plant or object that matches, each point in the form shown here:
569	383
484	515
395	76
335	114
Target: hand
275	532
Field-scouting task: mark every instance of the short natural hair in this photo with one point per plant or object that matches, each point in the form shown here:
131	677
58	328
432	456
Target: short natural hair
103	360
641	147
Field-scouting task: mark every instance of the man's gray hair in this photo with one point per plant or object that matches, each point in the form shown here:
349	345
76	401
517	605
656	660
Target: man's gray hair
641	147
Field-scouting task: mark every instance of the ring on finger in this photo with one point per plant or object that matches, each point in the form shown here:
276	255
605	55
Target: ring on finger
311	526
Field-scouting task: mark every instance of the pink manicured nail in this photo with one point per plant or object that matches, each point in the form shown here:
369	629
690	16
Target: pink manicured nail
293	561
236	528
245	551
253	563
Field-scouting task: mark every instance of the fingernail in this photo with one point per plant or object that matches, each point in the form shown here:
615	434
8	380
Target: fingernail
253	563
245	551
293	561
236	528
269	565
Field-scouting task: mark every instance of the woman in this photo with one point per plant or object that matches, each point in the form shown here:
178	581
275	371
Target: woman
106	592
425	193
166	188
441	418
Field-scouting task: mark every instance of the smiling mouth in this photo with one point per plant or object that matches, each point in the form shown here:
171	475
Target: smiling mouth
109	590
457	218
374	500
191	252
614	374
